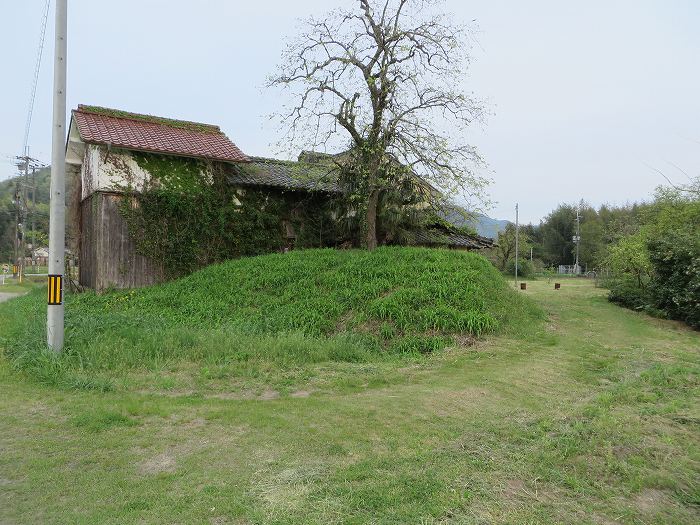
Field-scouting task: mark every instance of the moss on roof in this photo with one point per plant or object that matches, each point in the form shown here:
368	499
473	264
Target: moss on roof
118	113
286	174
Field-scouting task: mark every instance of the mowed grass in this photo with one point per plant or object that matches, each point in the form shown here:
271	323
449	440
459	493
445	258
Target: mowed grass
588	417
14	287
265	320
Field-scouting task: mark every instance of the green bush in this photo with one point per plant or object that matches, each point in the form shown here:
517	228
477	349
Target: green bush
675	286
657	269
525	268
626	292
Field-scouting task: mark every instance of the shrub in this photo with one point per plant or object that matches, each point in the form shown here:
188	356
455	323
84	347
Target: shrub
629	257
675	287
658	268
525	268
626	292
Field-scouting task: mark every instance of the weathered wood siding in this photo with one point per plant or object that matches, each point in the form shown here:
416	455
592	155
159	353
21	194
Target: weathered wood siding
108	256
88	242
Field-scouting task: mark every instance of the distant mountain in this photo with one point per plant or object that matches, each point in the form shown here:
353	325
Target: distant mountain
488	227
483	224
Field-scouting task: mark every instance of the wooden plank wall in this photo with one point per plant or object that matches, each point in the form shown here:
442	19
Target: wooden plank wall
88	243
108	257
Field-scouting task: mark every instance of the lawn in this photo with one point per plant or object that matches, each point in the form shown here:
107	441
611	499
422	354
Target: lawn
586	415
14	287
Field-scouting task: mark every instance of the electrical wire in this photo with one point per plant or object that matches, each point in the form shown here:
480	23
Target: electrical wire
35	81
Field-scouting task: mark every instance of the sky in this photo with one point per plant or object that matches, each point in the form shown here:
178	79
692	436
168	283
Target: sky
587	99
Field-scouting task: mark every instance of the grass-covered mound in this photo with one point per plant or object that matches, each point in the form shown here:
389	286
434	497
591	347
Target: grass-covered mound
248	316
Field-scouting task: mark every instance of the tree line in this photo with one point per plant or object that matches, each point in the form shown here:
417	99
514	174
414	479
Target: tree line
8	189
648	253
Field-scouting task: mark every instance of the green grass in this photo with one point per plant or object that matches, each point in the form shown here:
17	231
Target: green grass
273	318
590	416
29	270
13	286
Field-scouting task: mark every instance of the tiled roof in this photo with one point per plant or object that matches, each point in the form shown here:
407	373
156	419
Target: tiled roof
314	157
439	237
286	174
159	135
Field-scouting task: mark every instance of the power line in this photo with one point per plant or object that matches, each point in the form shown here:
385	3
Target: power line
35	80
24	162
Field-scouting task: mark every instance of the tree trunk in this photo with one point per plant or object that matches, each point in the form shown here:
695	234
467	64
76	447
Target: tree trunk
372	219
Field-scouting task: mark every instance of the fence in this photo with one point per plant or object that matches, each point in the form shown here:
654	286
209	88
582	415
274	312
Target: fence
572	269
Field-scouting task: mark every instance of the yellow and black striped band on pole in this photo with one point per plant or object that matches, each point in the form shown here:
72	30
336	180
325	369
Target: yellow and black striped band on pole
15	269
55	289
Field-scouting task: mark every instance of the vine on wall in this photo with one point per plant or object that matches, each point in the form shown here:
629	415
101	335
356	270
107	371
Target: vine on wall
189	216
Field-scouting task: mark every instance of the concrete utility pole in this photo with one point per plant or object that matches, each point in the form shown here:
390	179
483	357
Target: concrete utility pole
57	211
23	216
577	238
517	231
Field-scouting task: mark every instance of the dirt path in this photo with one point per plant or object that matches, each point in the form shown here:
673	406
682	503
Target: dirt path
7	296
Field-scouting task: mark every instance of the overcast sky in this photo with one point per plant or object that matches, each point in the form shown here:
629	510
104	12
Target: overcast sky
585	95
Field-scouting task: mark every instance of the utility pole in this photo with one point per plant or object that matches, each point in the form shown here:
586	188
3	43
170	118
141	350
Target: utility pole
33	215
18	228
57	211
23	211
24	164
517	231
577	238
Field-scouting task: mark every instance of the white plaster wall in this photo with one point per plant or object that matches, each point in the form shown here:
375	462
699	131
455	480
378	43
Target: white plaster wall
91	159
109	171
118	170
114	170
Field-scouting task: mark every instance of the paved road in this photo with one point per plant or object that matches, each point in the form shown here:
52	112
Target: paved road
6	296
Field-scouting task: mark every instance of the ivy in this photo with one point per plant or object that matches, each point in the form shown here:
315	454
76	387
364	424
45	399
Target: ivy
175	174
189	216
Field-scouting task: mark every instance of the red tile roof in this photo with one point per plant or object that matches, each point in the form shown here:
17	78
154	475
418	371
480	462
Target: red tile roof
160	135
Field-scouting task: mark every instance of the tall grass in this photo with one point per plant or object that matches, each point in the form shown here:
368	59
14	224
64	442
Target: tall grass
282	309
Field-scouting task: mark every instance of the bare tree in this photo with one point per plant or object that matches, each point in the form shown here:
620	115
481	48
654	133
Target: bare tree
386	75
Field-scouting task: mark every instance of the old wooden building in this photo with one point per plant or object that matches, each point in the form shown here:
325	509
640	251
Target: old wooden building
102	166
